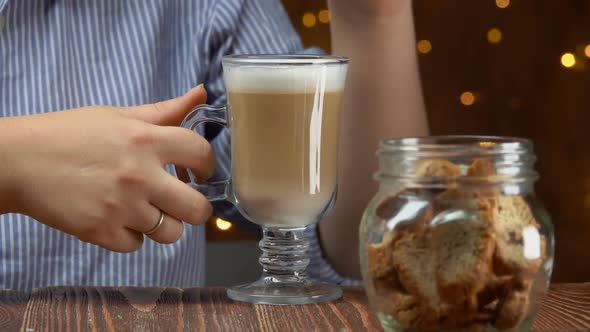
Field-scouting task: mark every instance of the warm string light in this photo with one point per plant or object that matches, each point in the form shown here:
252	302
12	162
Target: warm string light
222	224
424	46
502	3
324	16
309	20
494	35
568	60
467	98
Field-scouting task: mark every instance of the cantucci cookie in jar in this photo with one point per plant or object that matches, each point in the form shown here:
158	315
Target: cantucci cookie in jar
455	239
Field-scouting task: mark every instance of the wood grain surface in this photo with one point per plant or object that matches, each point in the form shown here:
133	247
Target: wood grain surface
12	309
173	309
566	308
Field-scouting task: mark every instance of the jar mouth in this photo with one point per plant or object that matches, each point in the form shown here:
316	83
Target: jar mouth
471	144
510	160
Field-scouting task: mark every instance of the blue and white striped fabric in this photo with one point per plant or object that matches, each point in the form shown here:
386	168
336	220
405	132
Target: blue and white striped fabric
62	54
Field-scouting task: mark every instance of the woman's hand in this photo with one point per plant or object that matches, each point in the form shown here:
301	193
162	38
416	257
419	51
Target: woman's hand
98	172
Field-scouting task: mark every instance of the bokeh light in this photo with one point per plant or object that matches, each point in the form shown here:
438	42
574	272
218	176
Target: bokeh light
568	60
494	35
324	16
587	50
424	46
308	20
222	224
467	98
502	3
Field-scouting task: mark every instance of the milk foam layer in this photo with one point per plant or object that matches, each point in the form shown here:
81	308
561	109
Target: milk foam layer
285	78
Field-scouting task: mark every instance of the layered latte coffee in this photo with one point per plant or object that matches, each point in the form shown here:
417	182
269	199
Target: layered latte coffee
285	127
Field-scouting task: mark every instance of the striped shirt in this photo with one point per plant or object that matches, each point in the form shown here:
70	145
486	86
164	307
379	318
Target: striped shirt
63	54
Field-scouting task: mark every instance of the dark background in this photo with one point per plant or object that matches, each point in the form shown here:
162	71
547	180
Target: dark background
520	87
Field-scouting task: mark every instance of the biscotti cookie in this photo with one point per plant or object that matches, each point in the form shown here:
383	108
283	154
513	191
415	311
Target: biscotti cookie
379	256
413	259
437	168
404	307
481	168
481	174
514	224
496	287
512	309
466	199
414	262
464	242
463	250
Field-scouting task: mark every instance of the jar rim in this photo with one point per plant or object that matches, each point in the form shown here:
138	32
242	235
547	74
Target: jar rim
466	143
512	157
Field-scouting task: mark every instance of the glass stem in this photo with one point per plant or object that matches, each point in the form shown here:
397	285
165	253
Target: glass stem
284	254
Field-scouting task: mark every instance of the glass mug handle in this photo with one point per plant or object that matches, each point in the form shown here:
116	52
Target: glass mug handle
213	191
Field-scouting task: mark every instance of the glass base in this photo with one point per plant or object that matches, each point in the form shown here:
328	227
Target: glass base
284	280
269	290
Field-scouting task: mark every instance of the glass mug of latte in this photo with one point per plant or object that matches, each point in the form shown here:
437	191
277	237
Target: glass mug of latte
283	114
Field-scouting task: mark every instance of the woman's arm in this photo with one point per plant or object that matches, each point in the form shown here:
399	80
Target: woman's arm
8	182
383	99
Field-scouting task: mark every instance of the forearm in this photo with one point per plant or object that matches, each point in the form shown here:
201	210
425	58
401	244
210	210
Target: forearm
8	177
383	89
383	99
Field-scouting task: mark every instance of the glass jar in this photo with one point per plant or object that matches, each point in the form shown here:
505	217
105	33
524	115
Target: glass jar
455	239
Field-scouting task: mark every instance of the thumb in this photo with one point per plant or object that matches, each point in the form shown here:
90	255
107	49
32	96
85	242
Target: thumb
168	112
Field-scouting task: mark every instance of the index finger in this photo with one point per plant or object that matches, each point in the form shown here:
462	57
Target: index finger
183	147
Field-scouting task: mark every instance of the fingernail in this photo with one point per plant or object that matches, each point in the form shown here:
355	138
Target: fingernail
200	86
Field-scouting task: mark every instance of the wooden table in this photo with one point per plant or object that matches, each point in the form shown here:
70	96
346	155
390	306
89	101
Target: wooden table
565	308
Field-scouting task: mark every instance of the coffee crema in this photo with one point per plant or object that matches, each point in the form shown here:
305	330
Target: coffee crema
285	127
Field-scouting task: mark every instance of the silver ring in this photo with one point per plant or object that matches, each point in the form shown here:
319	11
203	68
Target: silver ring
158	224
